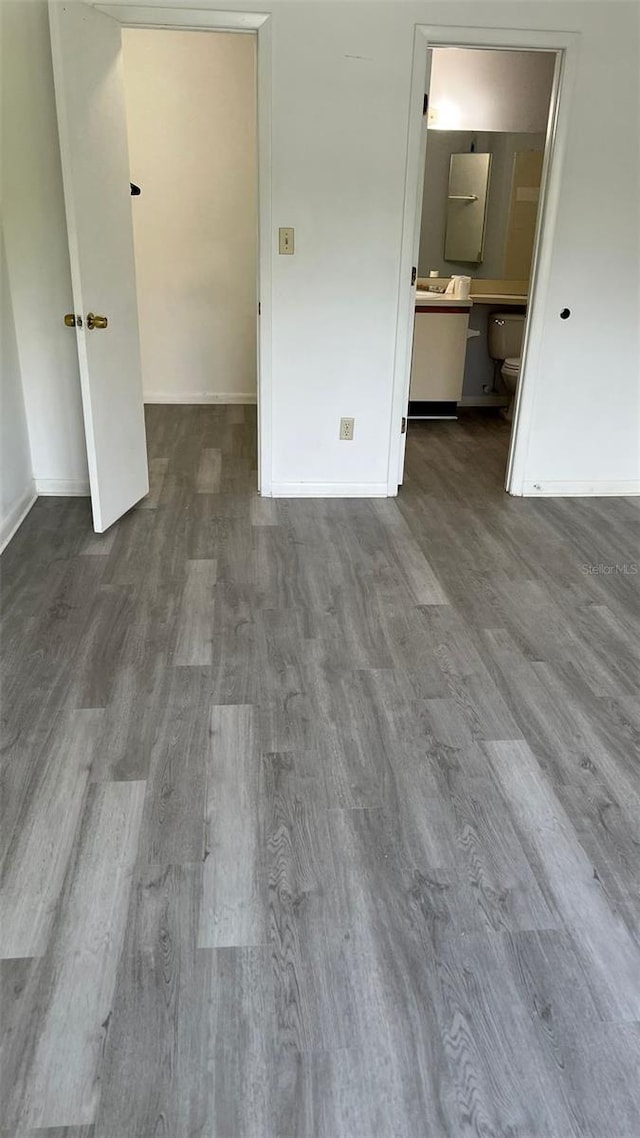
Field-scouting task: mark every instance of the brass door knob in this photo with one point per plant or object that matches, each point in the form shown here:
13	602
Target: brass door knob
73	321
94	321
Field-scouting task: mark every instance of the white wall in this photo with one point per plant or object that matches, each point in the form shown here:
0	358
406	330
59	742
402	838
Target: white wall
341	105
191	103
17	492
37	251
341	86
490	90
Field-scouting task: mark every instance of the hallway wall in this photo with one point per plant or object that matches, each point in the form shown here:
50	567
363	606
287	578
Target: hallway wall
17	492
190	101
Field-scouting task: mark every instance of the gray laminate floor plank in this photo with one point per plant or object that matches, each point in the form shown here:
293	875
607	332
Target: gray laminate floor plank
101	653
423	582
173	826
233	906
235	646
156	1011
319	817
57	1083
209	468
264	511
190	1046
307	929
595	1062
51	1132
99	544
194	631
391	970
610	950
157	471
61	616
43	837
503	1079
130	724
240	1000
602	1064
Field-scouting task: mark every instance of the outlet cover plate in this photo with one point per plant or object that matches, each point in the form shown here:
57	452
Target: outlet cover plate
286	241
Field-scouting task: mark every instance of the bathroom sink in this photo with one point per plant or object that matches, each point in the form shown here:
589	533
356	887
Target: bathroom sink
435	298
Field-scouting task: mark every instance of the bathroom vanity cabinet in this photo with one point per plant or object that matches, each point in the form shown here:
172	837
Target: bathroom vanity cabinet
437	362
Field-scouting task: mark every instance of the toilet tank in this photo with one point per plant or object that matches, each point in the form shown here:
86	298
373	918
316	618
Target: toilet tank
506	330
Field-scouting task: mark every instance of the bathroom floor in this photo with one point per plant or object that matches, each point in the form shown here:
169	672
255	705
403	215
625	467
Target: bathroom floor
464	458
320	817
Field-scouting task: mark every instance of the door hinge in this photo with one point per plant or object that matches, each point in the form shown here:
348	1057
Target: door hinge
259	309
403	428
414	274
425	104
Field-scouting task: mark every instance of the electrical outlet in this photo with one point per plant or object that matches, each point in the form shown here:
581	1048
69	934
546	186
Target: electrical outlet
346	430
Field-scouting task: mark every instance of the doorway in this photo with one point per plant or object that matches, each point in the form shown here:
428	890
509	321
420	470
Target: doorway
487	113
553	54
190	105
89	78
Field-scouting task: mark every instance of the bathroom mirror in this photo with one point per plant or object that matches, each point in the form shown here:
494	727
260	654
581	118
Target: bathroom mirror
467	197
511	209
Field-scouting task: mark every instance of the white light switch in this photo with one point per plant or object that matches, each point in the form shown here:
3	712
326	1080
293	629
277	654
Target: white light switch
286	241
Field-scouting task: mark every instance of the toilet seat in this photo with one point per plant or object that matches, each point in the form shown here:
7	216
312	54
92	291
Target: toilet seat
512	366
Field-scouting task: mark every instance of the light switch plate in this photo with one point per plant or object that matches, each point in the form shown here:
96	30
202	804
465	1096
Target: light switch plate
286	243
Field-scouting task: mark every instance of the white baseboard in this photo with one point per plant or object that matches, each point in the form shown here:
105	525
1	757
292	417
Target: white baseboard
195	397
16	516
62	487
606	489
329	490
484	401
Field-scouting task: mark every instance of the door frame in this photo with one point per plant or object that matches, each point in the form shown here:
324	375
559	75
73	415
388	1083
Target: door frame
565	47
207	18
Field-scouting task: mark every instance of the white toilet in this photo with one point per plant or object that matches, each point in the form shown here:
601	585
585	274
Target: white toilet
506	330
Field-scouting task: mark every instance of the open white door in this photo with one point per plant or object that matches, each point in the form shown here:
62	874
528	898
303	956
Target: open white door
87	65
417	225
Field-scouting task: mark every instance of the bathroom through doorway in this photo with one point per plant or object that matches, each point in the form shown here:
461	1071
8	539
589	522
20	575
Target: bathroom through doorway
483	202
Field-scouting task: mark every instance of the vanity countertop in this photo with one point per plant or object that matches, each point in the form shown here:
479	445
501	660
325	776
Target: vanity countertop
440	299
499	298
483	291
